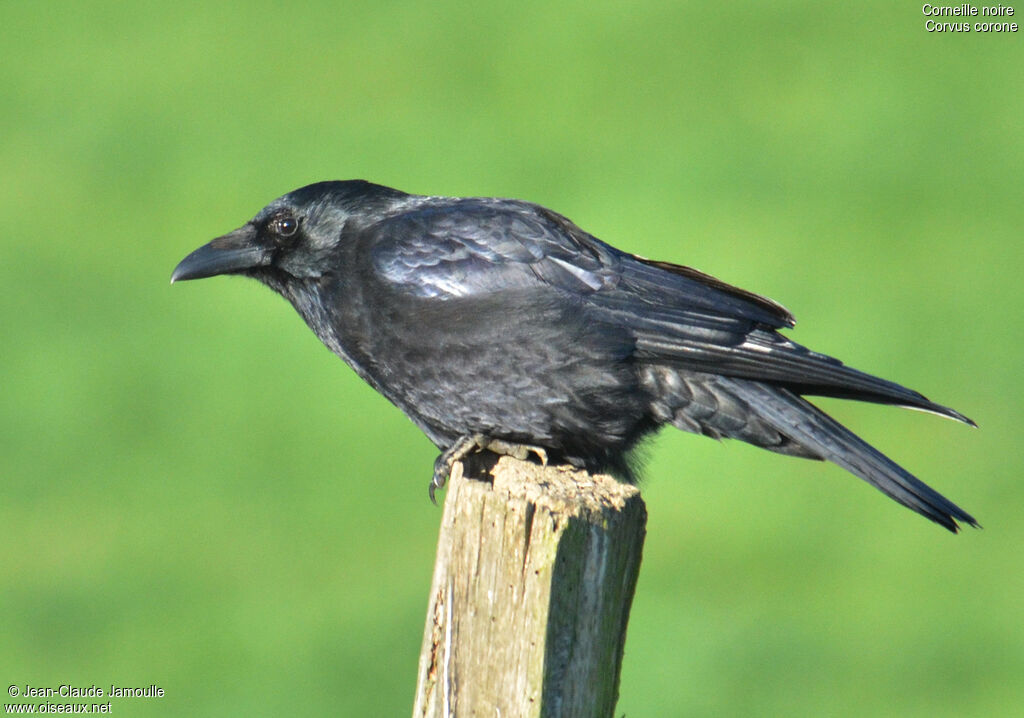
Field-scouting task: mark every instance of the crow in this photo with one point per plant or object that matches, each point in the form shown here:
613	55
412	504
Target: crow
499	324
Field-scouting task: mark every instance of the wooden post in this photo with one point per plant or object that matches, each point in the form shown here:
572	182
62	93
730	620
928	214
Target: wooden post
532	588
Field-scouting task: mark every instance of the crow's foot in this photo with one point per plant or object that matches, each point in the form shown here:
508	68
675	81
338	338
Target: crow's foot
462	447
471	443
517	451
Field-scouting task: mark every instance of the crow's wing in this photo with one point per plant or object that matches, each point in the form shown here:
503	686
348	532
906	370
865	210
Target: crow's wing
474	247
463	247
678	316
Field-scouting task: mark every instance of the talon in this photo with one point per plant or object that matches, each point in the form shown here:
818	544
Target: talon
541	454
455	453
436	483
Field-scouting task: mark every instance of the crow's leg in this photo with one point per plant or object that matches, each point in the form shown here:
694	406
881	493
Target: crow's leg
470	443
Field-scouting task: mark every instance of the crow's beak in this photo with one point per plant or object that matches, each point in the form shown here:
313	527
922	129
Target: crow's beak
234	252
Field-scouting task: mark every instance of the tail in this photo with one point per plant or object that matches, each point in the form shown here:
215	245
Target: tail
777	419
818	432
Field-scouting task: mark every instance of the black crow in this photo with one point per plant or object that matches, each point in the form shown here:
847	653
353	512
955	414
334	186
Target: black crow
499	324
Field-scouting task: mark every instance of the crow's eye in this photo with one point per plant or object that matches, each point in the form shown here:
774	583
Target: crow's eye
283	225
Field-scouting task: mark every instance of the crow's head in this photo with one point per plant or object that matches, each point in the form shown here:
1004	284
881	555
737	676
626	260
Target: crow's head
292	237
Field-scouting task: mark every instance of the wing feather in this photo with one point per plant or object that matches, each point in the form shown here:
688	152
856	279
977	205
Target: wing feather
448	248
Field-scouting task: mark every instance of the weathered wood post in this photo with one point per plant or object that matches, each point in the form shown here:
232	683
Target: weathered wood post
531	593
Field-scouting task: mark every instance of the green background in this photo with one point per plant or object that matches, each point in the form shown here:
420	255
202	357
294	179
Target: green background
196	494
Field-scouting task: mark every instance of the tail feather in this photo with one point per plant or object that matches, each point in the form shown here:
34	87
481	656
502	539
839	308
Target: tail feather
776	418
818	432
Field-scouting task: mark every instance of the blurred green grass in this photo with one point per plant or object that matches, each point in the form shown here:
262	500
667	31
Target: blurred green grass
196	494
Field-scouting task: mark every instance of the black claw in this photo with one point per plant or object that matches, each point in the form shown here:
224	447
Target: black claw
456	452
436	483
441	470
